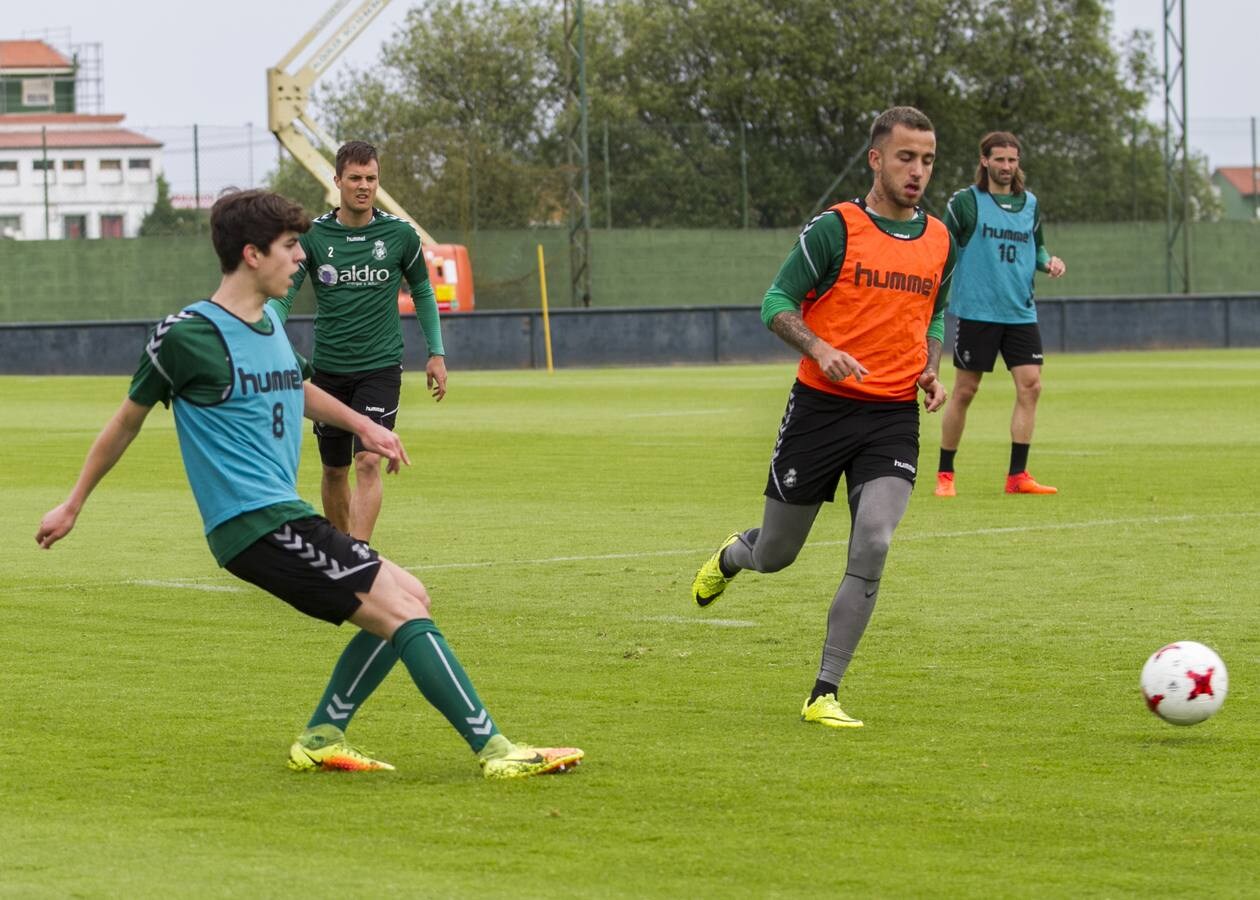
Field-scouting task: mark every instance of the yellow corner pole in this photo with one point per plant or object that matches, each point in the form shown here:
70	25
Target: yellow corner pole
542	287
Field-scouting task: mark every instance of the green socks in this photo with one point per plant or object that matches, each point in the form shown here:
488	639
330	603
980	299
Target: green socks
442	680
362	667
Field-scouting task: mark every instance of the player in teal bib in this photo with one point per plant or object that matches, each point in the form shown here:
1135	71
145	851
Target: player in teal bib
241	453
993	281
997	225
239	390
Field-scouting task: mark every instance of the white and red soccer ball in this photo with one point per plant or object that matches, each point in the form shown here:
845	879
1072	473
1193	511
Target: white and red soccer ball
1184	683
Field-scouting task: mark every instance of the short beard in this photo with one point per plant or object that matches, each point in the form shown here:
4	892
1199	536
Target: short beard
890	192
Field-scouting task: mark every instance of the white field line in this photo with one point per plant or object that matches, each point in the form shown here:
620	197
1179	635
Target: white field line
188	585
898	538
677	412
688	620
650	554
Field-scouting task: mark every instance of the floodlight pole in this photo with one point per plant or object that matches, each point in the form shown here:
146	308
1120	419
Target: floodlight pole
578	151
1176	148
1255	174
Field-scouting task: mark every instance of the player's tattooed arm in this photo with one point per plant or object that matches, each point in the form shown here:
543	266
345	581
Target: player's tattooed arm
835	364
934	355
929	381
791	327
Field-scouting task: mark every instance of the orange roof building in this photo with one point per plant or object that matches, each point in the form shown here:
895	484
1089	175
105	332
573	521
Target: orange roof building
65	174
1239	190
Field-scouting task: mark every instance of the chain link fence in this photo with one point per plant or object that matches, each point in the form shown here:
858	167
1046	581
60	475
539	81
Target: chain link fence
710	226
200	161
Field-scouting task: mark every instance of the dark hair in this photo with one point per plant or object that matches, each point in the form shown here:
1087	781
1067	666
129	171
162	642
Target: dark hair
241	218
988	143
358	152
898	115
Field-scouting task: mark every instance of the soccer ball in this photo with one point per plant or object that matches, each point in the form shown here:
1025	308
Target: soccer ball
1184	683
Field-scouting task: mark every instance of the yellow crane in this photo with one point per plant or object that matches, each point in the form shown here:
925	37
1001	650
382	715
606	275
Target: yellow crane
288	94
287	98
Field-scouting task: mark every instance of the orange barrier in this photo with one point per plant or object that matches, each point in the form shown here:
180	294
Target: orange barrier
450	272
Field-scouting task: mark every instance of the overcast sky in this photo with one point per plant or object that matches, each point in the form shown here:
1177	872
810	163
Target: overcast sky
209	67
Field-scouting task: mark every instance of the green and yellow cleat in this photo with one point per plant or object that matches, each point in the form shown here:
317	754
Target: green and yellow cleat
325	747
826	711
502	759
709	582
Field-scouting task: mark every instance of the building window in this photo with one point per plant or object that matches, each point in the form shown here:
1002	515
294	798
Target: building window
74	227
8	171
111	171
44	169
10	227
73	171
139	170
111	226
37	92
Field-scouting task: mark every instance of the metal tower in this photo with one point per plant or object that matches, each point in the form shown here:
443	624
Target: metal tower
1176	149
577	145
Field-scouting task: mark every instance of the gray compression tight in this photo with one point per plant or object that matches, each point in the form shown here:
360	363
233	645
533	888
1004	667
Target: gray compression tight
875	508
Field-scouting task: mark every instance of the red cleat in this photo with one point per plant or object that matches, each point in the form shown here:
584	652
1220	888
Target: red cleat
1023	483
945	485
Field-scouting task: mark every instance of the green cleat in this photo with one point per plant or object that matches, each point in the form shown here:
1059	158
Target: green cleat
325	747
826	711
502	759
709	582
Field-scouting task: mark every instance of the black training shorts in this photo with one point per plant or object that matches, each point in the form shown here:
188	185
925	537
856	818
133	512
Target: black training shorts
824	436
311	566
976	345
374	393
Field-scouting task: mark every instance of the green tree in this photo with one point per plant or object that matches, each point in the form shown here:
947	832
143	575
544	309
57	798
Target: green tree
165	220
291	179
1046	70
461	107
468	106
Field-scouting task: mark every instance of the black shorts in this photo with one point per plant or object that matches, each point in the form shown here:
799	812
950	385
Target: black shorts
976	345
311	566
374	393
824	436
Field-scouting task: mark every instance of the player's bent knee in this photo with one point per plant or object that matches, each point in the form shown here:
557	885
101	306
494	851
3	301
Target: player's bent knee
772	560
870	550
409	584
366	464
336	474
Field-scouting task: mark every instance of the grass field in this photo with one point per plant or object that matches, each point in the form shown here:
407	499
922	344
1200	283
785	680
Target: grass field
148	698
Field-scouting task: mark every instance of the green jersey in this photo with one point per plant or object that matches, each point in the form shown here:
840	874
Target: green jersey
357	273
185	356
815	261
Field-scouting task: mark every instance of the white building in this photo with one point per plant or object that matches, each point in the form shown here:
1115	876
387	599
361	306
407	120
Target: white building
64	174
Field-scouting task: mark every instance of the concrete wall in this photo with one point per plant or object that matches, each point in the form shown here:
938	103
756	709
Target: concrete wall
665	336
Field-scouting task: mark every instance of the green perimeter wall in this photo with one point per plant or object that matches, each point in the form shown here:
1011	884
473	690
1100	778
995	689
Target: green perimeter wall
145	278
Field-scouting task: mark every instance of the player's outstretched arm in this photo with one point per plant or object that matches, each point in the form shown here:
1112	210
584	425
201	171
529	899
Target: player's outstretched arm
835	364
323	407
107	449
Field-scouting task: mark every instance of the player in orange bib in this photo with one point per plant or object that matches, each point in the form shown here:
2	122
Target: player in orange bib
862	297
